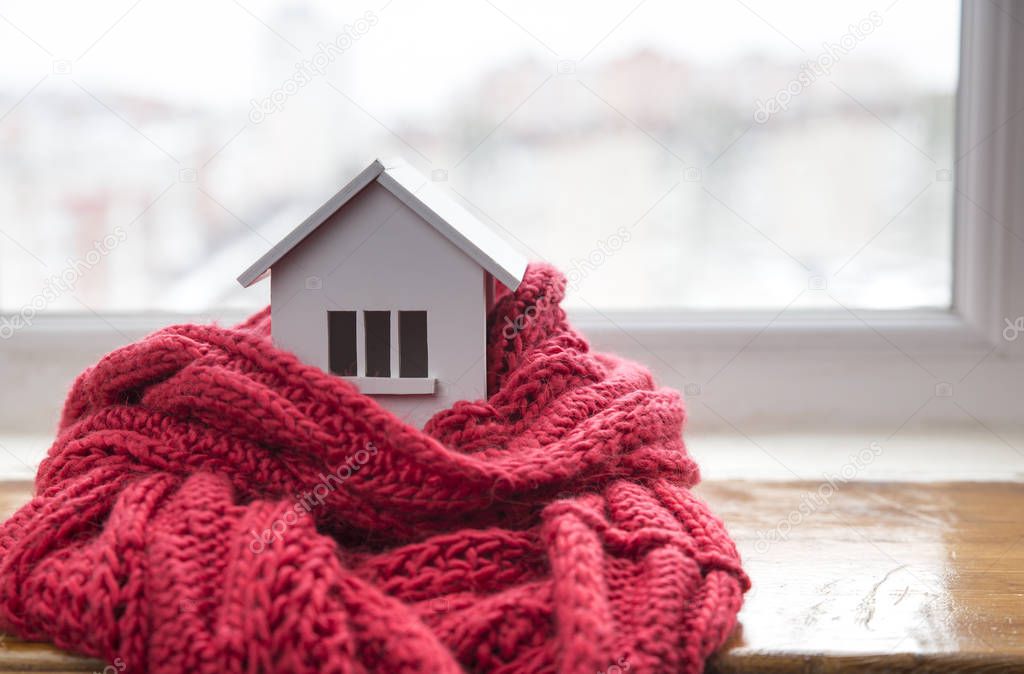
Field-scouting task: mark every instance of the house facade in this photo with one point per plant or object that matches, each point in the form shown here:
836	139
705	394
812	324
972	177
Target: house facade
388	285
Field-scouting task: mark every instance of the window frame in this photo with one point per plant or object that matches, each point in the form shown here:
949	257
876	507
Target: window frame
808	356
757	369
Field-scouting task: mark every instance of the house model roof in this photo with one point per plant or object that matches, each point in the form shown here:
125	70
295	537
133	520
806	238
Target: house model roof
416	191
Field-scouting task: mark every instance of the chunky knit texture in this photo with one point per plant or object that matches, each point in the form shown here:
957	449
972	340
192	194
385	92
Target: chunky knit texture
211	504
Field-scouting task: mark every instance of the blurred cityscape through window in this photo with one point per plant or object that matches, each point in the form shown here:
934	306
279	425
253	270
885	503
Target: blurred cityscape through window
666	155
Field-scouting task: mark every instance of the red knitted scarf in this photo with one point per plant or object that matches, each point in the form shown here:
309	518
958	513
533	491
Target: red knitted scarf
211	504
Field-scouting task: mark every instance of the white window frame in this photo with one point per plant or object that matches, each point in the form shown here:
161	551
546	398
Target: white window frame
395	383
757	370
882	368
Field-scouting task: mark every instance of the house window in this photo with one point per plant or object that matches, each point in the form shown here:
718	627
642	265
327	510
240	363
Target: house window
412	343
379	359
378	343
341	341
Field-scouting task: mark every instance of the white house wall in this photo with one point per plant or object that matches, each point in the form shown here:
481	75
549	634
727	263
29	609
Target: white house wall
384	257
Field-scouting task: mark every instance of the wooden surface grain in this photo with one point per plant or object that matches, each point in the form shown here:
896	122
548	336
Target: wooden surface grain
883	577
848	577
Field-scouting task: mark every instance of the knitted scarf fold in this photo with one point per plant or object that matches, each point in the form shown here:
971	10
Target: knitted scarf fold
211	504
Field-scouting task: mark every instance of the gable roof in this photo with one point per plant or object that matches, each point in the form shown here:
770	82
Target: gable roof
413	189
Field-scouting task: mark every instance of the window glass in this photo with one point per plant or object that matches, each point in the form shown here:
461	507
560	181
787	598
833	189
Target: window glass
666	155
378	343
412	341
341	340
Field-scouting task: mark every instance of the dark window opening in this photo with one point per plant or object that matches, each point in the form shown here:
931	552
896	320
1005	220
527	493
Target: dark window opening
378	343
412	343
341	342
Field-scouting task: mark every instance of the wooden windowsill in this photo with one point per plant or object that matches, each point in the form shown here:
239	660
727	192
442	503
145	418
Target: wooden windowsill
867	576
882	577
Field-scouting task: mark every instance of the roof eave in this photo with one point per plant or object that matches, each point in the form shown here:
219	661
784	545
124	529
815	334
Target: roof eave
259	268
